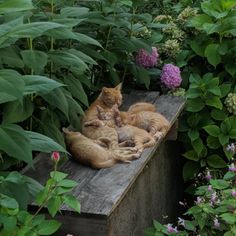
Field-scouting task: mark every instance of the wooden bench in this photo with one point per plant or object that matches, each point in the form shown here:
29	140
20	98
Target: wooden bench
123	200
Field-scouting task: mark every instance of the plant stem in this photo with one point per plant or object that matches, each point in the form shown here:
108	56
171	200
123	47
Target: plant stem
52	39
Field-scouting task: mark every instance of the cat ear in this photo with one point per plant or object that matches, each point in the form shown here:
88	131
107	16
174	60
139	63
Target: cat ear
132	117
105	90
119	86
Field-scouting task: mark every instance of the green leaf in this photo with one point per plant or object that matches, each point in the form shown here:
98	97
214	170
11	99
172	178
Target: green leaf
76	89
229	175
198	49
74	11
9	56
224	139
40	142
15	5
67	59
216	161
15	142
226	126
198	146
11	86
48	227
72	202
232	134
199	20
213	142
67	183
214	101
191	155
87	40
58	176
34	59
213	130
194	105
218	114
33	30
190	169
212	55
16	111
57	99
193	134
53	205
9	223
225	88
8	202
39	84
229	218
219	184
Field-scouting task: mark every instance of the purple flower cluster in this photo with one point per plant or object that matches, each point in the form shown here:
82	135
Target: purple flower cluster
170	76
145	59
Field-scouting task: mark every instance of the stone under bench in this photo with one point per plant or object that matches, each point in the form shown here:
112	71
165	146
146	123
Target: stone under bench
124	199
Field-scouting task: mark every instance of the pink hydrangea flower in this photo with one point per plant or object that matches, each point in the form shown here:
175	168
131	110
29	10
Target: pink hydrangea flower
55	156
146	59
170	76
233	193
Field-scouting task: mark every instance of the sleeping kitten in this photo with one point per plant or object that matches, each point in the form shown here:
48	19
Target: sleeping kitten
153	122
126	134
89	152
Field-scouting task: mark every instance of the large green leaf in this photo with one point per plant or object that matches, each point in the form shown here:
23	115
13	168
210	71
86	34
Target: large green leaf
39	84
213	130
76	89
57	98
15	142
212	55
33	30
216	161
74	11
15	5
16	111
72	202
66	59
83	38
40	142
11	86
10	57
214	101
48	227
34	59
195	105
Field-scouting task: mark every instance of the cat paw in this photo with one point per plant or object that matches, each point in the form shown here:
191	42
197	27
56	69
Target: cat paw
158	135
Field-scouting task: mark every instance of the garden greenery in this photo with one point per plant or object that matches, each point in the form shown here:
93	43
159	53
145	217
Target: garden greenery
55	55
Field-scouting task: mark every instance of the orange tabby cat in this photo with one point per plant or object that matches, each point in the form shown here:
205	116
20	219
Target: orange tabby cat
106	100
153	122
126	134
141	106
89	152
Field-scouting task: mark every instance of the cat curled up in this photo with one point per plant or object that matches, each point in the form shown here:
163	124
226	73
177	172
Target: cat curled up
89	152
126	134
153	122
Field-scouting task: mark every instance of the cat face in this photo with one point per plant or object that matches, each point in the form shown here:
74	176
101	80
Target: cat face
129	119
112	96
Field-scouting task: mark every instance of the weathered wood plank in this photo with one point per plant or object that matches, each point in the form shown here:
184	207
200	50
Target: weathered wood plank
100	191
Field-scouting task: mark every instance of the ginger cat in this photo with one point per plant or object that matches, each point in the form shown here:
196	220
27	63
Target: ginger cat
106	100
89	152
153	122
126	134
141	106
139	137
